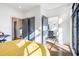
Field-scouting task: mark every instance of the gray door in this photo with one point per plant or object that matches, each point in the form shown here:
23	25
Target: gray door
28	28
25	28
44	28
31	31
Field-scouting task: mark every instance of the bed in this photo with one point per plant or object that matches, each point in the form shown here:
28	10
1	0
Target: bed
23	48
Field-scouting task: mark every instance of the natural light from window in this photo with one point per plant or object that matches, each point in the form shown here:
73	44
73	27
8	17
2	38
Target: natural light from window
60	32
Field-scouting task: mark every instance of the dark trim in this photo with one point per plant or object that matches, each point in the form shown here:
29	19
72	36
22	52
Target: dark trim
75	13
28	27
77	31
42	29
76	8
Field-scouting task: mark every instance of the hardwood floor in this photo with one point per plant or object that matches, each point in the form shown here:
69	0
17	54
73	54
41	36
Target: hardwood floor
57	49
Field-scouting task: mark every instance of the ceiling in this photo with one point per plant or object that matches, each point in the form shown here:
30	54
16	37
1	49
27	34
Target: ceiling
21	6
49	6
27	6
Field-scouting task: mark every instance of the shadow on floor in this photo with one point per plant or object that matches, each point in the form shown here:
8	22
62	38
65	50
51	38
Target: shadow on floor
56	50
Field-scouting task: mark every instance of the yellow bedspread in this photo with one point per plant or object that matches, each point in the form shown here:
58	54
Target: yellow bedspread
23	48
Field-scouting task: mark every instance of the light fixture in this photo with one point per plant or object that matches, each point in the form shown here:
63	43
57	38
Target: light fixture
20	7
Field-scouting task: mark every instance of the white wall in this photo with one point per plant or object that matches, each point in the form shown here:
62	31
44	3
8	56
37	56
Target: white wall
5	19
55	12
52	21
65	31
43	12
65	25
64	14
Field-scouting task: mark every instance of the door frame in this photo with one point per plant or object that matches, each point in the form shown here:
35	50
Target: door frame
13	19
42	28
